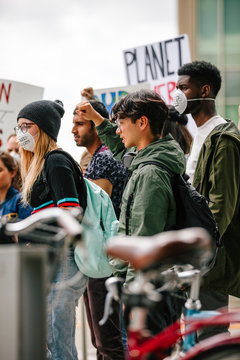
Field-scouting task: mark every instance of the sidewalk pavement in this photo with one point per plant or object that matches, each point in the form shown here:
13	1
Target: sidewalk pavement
83	340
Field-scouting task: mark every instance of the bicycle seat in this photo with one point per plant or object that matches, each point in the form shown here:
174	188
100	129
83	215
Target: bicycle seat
189	246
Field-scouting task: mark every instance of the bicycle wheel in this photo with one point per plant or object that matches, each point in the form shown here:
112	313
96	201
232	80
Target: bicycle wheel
230	352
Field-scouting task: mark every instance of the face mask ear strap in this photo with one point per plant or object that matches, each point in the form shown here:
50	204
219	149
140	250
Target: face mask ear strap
201	99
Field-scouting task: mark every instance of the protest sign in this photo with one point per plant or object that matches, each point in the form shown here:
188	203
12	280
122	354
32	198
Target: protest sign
110	96
158	64
13	96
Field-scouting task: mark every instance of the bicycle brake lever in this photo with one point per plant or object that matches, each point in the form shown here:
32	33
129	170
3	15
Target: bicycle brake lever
107	309
114	286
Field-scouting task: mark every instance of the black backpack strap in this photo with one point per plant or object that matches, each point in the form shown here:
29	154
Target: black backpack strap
46	186
163	166
127	215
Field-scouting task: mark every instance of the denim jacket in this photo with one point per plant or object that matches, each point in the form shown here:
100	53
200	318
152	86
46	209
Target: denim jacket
12	207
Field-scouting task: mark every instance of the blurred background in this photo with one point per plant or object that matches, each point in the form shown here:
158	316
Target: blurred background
63	46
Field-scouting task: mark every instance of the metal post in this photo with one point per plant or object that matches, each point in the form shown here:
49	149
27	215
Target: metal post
22	302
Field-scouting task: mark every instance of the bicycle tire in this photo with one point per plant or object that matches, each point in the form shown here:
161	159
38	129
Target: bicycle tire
229	352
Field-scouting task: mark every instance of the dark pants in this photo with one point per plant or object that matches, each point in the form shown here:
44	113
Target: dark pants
212	300
107	339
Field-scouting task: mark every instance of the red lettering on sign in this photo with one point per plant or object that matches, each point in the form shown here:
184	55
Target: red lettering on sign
157	88
170	87
166	90
6	92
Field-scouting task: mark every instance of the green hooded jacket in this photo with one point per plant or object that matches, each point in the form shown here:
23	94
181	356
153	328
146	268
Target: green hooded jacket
217	177
152	209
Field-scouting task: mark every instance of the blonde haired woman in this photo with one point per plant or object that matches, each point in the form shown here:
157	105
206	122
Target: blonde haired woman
38	126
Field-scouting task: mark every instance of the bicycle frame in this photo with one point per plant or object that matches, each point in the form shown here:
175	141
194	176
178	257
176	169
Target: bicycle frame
172	334
190	248
180	332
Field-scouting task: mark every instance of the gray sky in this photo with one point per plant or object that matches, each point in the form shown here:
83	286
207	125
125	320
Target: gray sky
66	45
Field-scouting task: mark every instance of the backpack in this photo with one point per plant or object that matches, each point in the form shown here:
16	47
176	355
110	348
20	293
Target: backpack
99	223
192	208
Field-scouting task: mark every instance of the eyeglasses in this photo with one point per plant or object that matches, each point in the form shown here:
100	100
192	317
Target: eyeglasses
23	128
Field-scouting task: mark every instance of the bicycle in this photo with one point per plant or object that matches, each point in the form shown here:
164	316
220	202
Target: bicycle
28	269
190	249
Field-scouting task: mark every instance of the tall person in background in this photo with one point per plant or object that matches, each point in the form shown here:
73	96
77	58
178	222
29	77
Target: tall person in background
213	167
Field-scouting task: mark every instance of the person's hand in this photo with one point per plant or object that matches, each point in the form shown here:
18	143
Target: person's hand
88	93
86	112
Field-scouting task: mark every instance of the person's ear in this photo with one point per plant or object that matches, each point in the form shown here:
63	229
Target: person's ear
205	90
13	174
143	122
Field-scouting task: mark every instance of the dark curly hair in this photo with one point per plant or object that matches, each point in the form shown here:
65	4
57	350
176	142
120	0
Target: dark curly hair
139	103
202	73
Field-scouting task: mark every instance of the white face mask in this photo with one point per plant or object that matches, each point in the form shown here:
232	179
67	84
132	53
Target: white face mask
15	155
26	141
180	101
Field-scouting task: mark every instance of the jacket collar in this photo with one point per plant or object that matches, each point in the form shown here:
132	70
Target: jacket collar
210	144
11	192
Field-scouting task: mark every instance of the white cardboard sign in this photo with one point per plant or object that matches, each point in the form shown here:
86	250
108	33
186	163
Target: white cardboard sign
157	64
13	96
110	96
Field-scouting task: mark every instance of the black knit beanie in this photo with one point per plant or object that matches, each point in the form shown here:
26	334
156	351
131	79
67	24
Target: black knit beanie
46	114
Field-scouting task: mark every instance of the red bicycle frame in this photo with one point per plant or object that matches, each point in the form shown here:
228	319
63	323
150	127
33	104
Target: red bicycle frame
160	343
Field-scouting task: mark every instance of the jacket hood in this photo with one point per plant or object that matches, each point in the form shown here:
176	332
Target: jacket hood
225	129
166	151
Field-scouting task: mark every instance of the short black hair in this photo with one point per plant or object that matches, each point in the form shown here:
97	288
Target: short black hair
202	73
139	103
99	107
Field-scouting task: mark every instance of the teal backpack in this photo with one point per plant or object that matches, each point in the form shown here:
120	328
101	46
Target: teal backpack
99	223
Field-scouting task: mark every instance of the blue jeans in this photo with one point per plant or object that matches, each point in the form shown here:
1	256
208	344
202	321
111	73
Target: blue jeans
62	311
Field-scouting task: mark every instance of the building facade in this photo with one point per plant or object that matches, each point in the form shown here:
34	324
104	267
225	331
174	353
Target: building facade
213	28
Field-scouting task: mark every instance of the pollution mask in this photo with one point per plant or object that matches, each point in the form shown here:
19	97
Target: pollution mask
26	141
180	101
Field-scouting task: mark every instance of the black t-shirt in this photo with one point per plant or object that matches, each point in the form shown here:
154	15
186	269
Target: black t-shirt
63	184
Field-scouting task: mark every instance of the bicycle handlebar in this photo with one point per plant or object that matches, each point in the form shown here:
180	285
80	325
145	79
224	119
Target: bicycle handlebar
62	217
66	220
